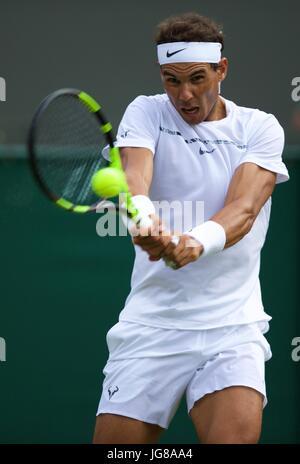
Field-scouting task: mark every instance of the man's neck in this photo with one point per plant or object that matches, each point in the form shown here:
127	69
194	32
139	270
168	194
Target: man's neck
218	112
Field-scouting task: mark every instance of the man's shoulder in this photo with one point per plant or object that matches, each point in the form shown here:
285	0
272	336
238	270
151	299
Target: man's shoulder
150	100
251	115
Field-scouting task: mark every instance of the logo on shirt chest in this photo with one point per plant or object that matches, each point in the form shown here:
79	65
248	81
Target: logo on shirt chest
203	151
206	146
124	134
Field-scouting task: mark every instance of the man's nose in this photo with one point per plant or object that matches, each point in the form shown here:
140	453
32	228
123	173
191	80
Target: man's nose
185	93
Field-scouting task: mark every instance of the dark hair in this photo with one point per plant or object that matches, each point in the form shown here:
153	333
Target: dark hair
189	27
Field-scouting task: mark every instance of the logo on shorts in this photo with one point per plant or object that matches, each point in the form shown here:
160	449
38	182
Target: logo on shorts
112	389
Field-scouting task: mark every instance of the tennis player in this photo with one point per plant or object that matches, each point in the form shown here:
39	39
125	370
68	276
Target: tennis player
198	330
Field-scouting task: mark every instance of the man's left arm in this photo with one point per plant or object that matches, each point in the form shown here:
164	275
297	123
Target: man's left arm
249	189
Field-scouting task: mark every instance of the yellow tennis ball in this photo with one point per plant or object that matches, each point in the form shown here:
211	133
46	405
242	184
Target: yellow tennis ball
108	182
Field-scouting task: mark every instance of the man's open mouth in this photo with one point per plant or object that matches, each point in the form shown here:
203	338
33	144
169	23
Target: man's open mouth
191	110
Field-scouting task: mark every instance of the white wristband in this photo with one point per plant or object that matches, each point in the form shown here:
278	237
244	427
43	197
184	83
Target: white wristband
145	207
143	204
211	235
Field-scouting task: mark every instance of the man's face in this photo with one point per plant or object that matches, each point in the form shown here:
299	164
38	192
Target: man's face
193	88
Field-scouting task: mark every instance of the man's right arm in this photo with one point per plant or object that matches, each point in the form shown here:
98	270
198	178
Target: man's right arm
138	165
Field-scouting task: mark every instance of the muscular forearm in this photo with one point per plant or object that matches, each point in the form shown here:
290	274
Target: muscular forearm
237	219
138	166
249	189
136	182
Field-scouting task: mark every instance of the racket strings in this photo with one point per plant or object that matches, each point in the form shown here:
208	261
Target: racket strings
68	149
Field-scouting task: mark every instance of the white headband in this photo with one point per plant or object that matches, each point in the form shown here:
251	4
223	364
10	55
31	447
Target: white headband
189	52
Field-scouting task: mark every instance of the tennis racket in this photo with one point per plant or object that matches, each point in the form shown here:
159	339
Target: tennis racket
66	140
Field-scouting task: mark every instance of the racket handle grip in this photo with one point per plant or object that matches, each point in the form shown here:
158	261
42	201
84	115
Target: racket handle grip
146	222
175	239
170	263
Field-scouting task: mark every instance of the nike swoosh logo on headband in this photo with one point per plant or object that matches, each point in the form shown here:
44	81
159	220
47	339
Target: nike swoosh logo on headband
174	53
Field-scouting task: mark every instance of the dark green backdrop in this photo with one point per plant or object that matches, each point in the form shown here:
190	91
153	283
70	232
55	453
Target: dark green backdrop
57	297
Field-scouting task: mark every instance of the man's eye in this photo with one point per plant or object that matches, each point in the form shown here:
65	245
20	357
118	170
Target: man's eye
197	78
172	80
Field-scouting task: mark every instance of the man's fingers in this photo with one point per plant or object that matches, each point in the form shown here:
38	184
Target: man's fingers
155	252
187	251
151	241
154	258
173	250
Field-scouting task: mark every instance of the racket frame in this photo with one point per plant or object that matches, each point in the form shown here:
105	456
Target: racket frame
104	125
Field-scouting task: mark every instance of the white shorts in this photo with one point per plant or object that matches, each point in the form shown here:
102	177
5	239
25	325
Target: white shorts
149	368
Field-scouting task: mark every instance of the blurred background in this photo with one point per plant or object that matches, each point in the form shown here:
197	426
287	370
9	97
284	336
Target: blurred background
62	286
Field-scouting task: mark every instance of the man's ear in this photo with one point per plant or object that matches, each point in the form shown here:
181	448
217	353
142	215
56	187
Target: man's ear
160	72
222	69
